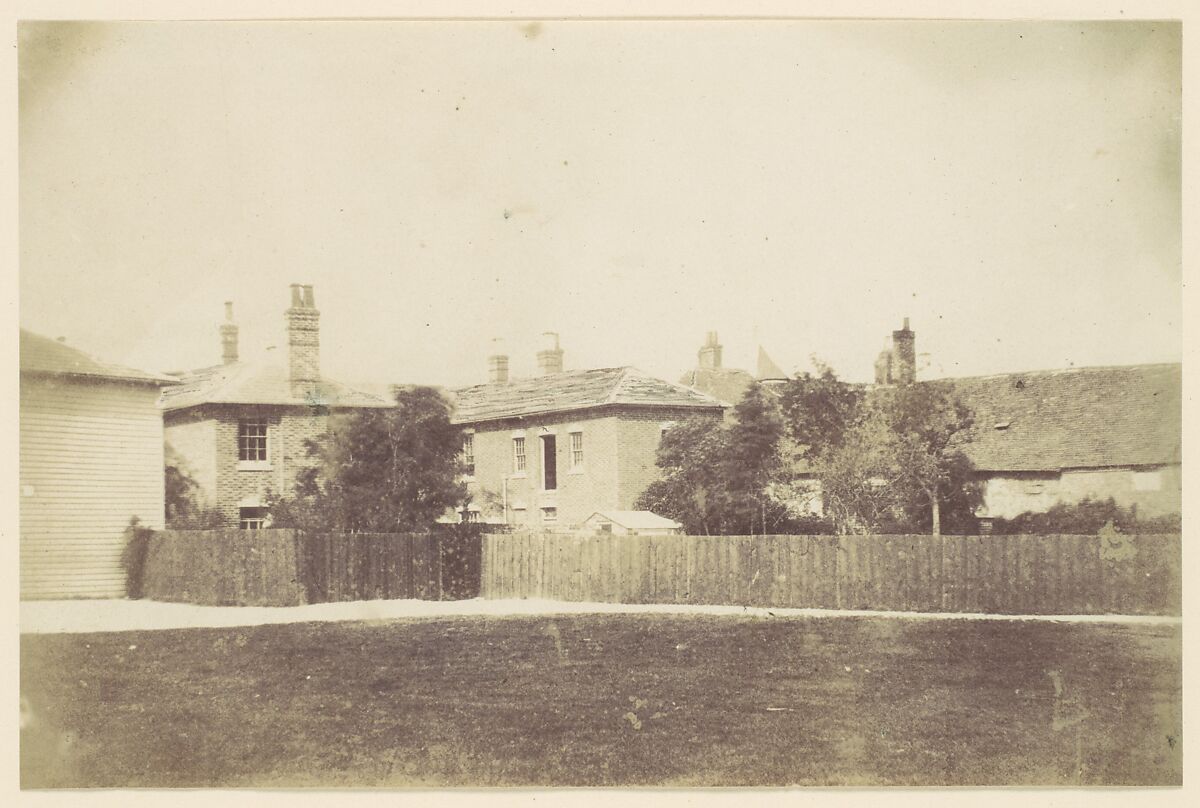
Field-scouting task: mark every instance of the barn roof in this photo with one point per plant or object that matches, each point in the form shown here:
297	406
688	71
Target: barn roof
1076	418
258	383
44	355
574	390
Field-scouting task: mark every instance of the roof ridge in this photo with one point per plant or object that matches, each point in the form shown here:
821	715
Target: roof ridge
615	393
1056	371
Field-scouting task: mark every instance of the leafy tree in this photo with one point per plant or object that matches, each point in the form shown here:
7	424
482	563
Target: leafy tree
892	461
382	470
930	426
820	409
692	490
754	461
859	477
723	478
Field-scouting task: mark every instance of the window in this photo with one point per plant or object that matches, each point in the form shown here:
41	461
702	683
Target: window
518	454
576	450
1147	480
1034	487
549	463
549	514
252	440
252	518
468	453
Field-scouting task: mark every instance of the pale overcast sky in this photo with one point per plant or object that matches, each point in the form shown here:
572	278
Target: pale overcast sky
1013	188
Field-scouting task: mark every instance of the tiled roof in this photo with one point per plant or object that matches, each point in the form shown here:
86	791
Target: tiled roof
573	390
1078	418
44	355
725	384
258	383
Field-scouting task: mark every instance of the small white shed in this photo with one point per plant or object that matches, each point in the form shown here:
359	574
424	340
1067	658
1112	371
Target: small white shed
624	522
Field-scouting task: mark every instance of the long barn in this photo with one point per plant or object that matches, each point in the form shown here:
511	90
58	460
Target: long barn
91	460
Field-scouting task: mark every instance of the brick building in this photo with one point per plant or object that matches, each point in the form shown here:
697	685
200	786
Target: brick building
552	450
241	429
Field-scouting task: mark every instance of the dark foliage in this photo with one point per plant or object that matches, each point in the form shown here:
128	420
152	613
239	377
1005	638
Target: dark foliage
819	409
133	558
390	470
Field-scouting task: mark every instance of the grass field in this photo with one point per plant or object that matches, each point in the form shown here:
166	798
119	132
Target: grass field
606	700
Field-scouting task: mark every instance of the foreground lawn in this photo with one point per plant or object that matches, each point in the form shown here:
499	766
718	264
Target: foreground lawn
606	700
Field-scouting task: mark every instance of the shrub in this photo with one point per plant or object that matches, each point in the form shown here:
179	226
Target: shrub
133	558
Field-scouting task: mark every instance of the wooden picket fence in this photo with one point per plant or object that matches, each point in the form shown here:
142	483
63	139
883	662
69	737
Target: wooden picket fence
990	574
288	567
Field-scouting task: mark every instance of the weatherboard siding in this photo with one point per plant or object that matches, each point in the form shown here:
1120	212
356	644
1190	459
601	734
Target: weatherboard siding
91	457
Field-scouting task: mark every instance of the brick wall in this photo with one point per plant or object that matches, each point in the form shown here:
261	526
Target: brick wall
619	453
206	438
638	436
580	491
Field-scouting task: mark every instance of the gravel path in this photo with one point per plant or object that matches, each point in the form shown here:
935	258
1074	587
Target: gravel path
84	616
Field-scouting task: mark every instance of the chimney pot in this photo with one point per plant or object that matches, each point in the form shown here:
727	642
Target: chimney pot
710	352
550	360
904	355
304	344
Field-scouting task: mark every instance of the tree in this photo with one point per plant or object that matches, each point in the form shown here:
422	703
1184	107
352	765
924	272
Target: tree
721	479
387	470
887	460
692	490
754	459
859	477
820	409
930	426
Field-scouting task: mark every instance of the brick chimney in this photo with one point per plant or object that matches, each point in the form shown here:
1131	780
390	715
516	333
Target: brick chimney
904	355
550	359
229	336
710	352
304	345
497	364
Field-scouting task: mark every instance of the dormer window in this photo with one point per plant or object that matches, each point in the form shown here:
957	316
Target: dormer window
1003	424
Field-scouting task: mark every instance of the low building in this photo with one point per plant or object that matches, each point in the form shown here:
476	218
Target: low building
551	450
91	460
1047	437
1042	438
642	523
241	430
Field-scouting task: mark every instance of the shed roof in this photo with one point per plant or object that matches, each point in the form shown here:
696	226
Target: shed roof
637	520
258	383
573	390
44	355
1076	418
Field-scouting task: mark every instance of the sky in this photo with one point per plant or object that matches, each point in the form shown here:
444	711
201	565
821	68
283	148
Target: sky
1011	187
